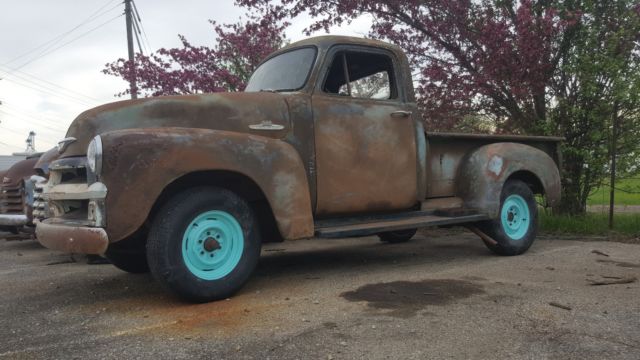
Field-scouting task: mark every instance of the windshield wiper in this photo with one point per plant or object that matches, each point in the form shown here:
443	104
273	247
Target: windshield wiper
268	90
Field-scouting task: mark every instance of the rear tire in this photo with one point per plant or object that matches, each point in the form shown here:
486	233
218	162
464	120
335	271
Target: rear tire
517	225
395	237
204	244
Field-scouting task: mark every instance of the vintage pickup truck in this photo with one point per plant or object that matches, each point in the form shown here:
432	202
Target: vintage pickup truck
326	141
16	195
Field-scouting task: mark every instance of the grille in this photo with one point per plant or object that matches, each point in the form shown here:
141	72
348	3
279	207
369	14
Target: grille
40	207
11	200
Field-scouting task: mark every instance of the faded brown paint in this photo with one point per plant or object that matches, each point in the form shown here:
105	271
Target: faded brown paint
42	165
358	143
447	152
334	155
481	177
153	158
76	239
220	111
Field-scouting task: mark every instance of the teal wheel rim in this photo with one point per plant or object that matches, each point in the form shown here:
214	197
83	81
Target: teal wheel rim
515	217
212	245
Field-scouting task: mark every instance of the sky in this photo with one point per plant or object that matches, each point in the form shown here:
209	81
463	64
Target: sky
52	54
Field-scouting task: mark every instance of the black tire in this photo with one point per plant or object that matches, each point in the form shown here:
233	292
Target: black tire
169	258
399	236
129	255
502	232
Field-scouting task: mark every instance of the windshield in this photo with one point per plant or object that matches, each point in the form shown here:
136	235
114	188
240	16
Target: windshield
285	72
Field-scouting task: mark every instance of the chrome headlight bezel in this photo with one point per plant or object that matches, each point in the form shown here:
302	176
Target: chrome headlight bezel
94	155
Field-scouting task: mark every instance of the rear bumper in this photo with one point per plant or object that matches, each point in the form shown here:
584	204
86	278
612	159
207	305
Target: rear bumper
18	220
72	238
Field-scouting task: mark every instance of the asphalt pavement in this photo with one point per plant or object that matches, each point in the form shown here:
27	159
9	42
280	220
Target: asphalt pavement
442	295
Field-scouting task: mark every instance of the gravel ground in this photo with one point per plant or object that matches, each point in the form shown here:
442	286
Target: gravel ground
439	296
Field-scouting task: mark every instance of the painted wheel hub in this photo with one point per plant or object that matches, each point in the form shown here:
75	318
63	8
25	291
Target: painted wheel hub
515	217
212	245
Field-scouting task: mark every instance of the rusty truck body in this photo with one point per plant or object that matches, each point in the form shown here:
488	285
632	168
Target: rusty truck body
16	195
325	141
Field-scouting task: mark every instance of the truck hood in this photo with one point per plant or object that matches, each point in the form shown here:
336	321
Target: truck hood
19	172
219	111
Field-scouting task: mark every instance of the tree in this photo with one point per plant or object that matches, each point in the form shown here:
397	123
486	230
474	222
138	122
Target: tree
193	69
596	91
526	65
470	57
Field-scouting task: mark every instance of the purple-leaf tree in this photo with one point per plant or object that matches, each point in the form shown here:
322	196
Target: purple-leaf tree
190	69
470	57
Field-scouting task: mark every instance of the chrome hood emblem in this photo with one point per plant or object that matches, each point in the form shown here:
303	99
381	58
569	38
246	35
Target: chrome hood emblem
64	143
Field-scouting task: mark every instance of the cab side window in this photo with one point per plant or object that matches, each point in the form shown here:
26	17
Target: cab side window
361	75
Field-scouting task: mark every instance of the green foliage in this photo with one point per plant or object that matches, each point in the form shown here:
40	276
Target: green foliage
627	193
590	224
596	86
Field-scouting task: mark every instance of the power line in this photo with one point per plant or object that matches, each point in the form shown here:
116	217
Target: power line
10	130
58	38
49	90
49	138
66	43
144	33
138	34
32	114
10	145
43	89
51	86
33	121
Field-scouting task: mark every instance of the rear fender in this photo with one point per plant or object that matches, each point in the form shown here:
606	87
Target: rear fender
138	164
485	170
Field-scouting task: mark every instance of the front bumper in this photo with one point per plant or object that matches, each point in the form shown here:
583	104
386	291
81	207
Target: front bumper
11	220
70	207
72	237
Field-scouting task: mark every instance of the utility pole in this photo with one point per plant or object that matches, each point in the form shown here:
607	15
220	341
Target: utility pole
614	149
129	19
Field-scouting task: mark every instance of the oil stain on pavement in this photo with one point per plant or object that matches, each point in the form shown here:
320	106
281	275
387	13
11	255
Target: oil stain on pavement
405	298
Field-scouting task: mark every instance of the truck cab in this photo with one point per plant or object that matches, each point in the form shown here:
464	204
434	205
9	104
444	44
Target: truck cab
325	141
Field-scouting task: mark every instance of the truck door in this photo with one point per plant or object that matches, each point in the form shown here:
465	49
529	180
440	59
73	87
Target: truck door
364	134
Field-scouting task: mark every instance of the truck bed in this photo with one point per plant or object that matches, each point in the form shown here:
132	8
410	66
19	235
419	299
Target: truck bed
446	151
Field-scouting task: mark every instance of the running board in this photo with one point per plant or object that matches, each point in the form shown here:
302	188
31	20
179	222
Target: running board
335	228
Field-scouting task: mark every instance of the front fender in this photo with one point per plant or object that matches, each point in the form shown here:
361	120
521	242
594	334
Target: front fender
485	170
139	163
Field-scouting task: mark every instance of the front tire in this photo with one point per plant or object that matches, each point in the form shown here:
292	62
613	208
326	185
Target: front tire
517	225
204	244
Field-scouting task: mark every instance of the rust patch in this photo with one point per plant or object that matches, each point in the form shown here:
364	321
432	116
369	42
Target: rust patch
405	298
153	158
72	239
365	160
153	316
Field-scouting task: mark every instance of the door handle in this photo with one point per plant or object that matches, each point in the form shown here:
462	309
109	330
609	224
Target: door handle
266	125
401	114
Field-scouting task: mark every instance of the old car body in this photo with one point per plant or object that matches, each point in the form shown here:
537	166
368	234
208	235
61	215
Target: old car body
308	155
16	195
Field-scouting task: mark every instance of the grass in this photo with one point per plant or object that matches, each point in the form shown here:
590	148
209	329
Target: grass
626	225
601	195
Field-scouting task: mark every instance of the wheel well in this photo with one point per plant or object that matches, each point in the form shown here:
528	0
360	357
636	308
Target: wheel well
530	179
240	184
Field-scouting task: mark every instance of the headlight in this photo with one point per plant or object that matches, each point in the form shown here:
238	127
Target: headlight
94	155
